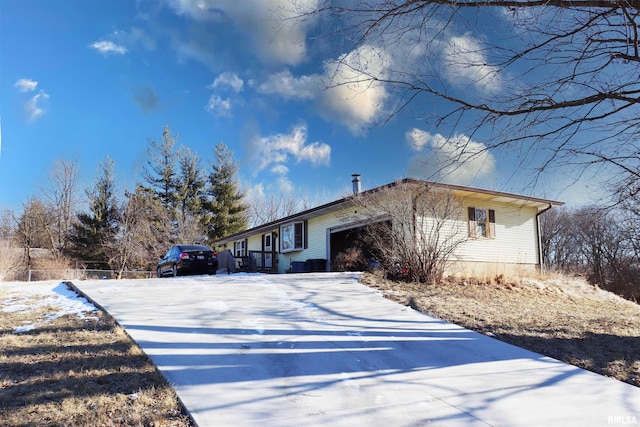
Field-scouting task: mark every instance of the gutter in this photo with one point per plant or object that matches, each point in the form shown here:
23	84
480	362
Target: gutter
540	262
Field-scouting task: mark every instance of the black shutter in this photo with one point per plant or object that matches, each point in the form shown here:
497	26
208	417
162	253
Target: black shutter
298	235
472	221
492	224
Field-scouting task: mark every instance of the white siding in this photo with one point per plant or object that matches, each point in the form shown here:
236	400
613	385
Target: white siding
515	242
516	238
317	247
254	243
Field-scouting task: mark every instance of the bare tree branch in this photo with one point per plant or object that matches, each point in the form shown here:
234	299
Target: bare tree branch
555	80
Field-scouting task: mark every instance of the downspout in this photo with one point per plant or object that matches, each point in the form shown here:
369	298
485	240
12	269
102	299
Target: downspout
540	262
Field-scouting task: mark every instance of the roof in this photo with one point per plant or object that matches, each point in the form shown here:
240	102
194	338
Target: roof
459	190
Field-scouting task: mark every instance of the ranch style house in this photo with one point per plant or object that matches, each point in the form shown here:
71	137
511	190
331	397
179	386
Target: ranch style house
501	234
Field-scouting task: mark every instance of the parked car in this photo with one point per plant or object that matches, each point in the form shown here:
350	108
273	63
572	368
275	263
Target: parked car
188	259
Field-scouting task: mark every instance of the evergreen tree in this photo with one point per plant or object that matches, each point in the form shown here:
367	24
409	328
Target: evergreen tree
191	185
160	173
228	212
191	195
97	229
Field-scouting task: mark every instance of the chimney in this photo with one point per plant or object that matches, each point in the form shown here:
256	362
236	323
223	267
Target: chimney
356	183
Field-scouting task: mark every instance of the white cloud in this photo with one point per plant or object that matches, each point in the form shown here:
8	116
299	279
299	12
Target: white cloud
33	107
107	47
276	150
271	27
465	64
280	169
457	159
285	185
418	139
219	107
343	93
134	37
26	85
222	106
287	86
354	98
228	79
195	51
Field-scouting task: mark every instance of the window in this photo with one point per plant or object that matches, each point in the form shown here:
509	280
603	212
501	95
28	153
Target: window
240	248
482	222
293	237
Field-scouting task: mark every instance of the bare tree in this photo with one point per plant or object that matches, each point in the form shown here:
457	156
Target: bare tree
128	248
60	195
601	243
11	257
561	242
555	81
268	208
412	228
33	227
7	224
144	234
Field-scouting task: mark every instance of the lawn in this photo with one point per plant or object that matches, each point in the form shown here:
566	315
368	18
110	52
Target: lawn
63	366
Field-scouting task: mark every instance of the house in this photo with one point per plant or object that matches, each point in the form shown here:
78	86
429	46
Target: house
500	233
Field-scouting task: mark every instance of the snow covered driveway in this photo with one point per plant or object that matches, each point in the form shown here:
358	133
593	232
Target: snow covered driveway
322	349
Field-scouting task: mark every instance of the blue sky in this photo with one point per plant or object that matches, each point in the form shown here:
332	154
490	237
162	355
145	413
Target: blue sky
86	79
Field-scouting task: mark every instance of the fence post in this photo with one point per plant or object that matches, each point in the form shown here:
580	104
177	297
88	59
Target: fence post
29	276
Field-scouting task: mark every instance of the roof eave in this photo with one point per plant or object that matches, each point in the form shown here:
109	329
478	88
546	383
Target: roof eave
496	196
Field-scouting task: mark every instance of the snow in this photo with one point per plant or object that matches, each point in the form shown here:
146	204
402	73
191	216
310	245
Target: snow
25	297
323	349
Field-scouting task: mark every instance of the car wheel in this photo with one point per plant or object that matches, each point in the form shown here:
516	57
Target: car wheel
175	271
159	272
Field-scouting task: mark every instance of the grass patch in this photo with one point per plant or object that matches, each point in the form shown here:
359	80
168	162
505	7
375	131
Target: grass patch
77	372
560	317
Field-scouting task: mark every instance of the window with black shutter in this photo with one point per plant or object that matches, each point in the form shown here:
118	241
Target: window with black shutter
482	222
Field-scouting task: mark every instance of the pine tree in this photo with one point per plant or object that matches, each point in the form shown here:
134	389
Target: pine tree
97	229
190	196
226	204
160	173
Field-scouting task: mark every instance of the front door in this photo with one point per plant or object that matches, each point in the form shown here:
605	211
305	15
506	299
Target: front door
268	251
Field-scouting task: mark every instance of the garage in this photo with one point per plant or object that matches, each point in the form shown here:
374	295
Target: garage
348	249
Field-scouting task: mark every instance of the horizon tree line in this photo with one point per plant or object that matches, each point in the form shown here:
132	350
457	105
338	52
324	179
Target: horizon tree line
176	201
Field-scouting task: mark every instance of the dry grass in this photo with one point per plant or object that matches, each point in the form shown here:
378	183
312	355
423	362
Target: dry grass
79	372
560	317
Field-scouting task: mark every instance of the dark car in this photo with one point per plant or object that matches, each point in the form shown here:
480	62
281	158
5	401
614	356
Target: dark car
188	259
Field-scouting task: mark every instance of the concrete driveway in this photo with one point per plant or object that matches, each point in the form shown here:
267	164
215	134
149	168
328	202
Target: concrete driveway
322	349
